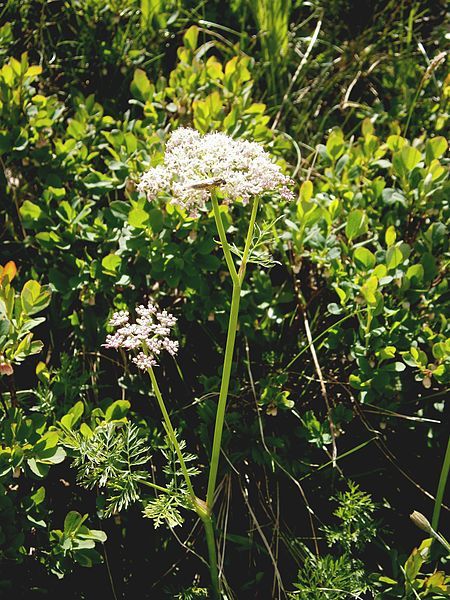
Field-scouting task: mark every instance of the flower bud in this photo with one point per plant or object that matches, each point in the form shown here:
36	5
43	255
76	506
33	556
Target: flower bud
420	521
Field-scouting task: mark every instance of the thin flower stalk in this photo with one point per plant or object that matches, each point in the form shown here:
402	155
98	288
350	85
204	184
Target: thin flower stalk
172	435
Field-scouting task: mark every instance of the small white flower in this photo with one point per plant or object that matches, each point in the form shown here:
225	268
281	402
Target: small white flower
193	164
149	334
119	318
144	362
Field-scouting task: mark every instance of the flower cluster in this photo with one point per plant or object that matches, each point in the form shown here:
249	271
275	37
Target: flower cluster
193	164
149	335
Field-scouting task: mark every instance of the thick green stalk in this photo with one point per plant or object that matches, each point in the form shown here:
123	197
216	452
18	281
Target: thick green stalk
223	395
441	488
212	555
171	433
231	337
237	279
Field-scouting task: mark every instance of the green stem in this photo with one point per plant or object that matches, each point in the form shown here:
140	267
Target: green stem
198	505
248	241
171	434
155	486
223	395
223	238
441	488
237	279
212	554
441	539
231	337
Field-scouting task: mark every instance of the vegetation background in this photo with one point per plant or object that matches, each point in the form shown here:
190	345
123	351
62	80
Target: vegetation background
338	424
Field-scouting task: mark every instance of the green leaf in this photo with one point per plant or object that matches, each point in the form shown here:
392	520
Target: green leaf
50	439
390	236
357	224
410	157
367	127
387	352
306	191
5	324
140	87
415	273
35	347
138	218
156	220
52	456
405	160
87	557
30	293
190	38
97	535
387	580
33	71
394	257
38	496
335	144
117	410
439	350
42	372
38	468
435	148
76	411
111	264
30	212
73	521
369	288
23	347
34	297
364	259
396	142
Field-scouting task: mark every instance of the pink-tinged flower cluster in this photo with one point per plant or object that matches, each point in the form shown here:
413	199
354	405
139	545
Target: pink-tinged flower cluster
193	164
148	335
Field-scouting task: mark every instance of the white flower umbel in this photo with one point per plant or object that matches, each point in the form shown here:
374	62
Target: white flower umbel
193	164
149	335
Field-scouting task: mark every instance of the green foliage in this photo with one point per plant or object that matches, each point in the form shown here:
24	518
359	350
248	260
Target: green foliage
16	320
111	457
110	454
75	543
414	583
165	508
390	260
356	526
330	578
357	111
273	397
